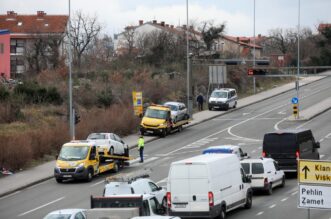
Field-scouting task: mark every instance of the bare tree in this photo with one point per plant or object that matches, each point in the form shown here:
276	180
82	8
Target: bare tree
84	30
129	35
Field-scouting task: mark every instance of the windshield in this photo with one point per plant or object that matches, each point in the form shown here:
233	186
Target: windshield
172	107
96	136
58	216
246	167
70	153
158	114
219	94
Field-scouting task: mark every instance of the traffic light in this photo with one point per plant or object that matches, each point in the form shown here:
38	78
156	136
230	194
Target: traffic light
253	72
77	118
295	110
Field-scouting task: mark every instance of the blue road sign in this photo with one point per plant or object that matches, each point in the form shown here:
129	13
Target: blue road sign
295	100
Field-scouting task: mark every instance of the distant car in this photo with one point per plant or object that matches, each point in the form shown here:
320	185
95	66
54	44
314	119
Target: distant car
67	214
226	149
223	98
111	142
135	186
178	111
265	174
156	217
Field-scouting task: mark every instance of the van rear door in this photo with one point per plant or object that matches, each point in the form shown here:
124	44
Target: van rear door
189	188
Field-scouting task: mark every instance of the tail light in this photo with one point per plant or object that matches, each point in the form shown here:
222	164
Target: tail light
211	199
264	154
169	199
297	154
265	181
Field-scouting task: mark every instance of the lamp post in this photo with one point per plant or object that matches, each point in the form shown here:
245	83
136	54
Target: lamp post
71	118
254	82
188	73
298	64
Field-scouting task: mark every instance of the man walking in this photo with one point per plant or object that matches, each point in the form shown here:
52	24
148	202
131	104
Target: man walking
200	102
141	144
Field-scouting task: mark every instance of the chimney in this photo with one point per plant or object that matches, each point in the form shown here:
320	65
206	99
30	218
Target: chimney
171	26
11	16
154	21
184	27
191	27
167	25
141	22
162	23
40	13
259	35
11	13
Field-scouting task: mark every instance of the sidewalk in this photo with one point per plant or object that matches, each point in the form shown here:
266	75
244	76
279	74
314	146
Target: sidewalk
26	178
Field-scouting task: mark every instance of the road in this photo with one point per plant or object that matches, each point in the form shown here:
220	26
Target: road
244	127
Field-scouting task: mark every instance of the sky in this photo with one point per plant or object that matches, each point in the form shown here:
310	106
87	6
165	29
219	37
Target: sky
238	15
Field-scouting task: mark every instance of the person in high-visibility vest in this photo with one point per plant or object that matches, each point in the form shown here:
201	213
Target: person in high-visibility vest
141	144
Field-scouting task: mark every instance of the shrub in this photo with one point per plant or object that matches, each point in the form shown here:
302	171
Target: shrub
105	97
4	94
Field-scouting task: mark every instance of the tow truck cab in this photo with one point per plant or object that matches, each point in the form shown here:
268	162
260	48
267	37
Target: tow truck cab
83	160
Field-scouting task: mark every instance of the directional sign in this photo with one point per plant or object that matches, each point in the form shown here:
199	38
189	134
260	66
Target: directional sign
295	100
314	196
314	172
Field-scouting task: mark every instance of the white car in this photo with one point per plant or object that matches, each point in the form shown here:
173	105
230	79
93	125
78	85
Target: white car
226	149
223	98
67	214
156	217
111	142
265	174
135	186
178	110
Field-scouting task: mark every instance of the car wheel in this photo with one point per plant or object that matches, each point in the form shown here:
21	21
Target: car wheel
210	108
116	168
59	180
269	189
164	203
89	175
235	105
249	200
111	150
180	128
283	182
142	132
164	133
222	213
126	152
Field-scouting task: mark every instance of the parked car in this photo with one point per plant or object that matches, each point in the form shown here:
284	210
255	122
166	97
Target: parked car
135	185
156	217
223	98
178	111
287	146
111	142
207	186
67	214
265	174
226	149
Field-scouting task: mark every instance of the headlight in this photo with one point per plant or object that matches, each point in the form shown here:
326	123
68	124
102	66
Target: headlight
80	165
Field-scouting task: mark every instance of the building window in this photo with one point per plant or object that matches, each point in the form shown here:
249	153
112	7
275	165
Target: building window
1	48
17	65
17	46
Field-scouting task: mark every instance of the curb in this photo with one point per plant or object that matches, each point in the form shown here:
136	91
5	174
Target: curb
189	125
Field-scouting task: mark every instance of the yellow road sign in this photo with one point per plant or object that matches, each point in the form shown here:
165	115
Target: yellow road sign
314	172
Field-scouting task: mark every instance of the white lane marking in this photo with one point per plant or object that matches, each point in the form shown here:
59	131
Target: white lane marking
260	147
38	184
328	135
293	193
162	181
282	112
240	144
322	155
272	206
322	140
253	151
261	212
37	208
244	114
150	159
284	199
95	184
277	124
185	152
7	196
303	124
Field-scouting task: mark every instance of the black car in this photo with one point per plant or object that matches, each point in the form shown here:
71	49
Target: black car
289	145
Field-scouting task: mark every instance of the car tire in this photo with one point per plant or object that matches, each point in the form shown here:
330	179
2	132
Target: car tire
126	152
89	175
116	168
180	128
235	105
222	213
283	182
249	200
142	132
59	180
164	133
164	202
210	108
269	189
111	150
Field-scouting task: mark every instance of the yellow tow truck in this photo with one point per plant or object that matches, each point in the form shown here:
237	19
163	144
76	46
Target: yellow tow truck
157	120
84	159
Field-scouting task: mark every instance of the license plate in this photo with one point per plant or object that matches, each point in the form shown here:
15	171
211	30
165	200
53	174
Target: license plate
180	205
150	131
67	176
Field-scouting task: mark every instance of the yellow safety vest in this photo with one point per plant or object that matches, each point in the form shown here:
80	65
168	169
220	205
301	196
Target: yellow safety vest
141	143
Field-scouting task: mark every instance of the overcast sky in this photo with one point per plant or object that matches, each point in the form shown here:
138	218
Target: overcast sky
114	15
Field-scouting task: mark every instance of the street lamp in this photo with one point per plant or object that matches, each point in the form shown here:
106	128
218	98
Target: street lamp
71	118
254	82
298	64
188	70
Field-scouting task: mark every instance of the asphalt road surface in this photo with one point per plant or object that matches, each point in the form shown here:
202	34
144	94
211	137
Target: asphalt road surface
244	127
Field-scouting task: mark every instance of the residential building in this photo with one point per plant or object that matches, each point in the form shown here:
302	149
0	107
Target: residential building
321	27
4	54
31	32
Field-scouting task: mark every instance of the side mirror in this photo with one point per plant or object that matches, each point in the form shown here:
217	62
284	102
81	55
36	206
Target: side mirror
317	145
248	178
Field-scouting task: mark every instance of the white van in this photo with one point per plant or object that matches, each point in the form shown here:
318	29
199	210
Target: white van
207	186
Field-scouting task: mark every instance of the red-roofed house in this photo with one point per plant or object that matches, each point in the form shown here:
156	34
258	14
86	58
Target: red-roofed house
321	27
25	30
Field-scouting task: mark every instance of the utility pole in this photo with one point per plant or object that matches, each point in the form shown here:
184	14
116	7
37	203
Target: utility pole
71	120
298	67
188	68
254	81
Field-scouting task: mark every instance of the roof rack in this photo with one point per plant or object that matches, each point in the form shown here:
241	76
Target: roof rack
129	177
